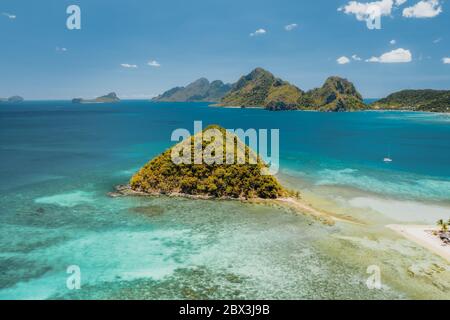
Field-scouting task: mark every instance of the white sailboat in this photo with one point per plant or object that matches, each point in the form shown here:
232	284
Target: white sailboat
388	159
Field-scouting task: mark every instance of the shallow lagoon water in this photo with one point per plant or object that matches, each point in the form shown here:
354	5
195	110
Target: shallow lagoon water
60	160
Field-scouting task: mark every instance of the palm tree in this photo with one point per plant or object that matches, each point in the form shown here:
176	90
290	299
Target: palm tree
443	225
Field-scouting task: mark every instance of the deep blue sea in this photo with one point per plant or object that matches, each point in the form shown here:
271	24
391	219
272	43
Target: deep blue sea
59	160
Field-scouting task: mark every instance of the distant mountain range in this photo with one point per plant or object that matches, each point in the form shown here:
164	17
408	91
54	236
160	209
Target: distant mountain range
261	89
13	99
110	97
200	90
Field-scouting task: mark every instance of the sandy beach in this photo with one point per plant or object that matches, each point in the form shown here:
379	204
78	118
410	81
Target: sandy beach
423	236
309	209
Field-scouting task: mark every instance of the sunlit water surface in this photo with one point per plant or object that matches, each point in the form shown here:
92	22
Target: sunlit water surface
59	161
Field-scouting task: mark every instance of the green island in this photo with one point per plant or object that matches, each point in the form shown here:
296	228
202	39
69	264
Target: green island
200	90
416	100
336	94
261	89
109	98
243	180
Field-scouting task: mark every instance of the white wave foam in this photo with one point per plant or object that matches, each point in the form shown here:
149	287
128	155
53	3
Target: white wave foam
397	185
418	116
70	199
403	211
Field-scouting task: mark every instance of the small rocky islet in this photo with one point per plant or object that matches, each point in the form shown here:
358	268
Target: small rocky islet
108	98
13	99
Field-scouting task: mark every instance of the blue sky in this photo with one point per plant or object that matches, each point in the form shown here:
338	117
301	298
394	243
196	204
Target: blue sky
41	59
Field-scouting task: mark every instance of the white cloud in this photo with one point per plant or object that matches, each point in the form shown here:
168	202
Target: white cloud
61	49
356	58
127	65
423	9
395	56
393	42
364	10
9	15
258	32
446	60
154	63
290	27
343	60
437	40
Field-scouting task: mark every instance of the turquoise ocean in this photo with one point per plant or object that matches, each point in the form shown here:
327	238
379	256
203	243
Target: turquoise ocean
59	160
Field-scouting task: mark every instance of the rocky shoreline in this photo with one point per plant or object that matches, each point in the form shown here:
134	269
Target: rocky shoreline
293	204
124	190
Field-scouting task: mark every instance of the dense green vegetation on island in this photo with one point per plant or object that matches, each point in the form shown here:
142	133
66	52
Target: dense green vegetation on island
416	100
200	90
336	94
110	97
261	89
162	176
